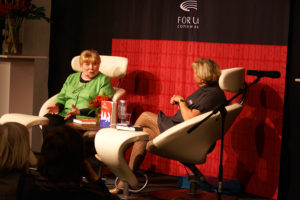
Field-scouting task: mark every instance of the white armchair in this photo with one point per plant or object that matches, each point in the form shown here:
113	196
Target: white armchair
206	134
112	66
180	142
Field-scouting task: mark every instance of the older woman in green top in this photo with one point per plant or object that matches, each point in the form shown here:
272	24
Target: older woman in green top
79	88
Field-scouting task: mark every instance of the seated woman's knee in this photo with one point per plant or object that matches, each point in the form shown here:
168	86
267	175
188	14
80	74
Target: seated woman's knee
144	118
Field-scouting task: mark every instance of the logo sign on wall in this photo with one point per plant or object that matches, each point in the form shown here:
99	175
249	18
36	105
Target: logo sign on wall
190	19
187	5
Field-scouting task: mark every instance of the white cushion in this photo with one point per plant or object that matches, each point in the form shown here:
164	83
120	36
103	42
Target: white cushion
232	80
177	144
112	66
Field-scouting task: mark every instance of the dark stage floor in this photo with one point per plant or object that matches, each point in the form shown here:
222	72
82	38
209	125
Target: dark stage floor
166	187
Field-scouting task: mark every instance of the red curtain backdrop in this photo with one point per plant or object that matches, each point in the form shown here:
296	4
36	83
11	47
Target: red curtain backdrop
159	68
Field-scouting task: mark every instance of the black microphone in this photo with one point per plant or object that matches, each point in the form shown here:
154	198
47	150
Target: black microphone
258	73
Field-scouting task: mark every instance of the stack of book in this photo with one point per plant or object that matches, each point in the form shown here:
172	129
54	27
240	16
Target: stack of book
84	121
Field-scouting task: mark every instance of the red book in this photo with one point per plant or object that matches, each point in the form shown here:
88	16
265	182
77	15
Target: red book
84	121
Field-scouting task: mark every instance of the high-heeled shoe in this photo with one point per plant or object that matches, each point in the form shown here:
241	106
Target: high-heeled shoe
115	191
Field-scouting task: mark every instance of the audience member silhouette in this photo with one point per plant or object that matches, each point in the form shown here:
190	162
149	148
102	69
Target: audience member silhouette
15	158
61	169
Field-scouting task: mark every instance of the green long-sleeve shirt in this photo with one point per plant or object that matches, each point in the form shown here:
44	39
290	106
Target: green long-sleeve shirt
80	93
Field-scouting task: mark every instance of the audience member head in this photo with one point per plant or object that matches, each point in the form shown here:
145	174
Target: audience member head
14	147
206	71
62	156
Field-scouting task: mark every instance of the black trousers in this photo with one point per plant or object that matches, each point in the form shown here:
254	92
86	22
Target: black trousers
57	120
54	120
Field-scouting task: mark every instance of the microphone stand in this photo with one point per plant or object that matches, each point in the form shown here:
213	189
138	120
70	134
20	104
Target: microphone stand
223	113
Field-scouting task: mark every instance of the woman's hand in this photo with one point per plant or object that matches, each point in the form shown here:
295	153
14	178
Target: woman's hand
175	99
74	112
53	109
186	112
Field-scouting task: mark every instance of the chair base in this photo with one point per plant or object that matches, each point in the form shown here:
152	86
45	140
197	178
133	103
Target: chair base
125	194
122	196
133	190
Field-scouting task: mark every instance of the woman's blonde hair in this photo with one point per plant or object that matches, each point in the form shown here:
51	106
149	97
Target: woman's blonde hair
207	70
14	147
89	55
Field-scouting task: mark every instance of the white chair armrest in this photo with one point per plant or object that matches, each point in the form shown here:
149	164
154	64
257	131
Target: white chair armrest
27	120
119	92
111	144
49	102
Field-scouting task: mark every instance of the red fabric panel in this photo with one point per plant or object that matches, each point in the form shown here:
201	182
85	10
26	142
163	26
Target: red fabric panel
158	69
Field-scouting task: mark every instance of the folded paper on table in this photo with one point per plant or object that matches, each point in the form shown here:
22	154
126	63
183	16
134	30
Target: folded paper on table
108	114
129	127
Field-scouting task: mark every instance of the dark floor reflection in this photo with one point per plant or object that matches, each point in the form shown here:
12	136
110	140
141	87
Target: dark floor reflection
165	187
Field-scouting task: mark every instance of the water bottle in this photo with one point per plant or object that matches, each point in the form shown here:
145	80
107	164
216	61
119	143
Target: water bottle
122	111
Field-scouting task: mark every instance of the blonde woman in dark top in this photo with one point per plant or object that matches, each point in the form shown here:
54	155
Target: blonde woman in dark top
207	97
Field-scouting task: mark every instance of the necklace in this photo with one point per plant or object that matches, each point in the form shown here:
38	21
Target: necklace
79	88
